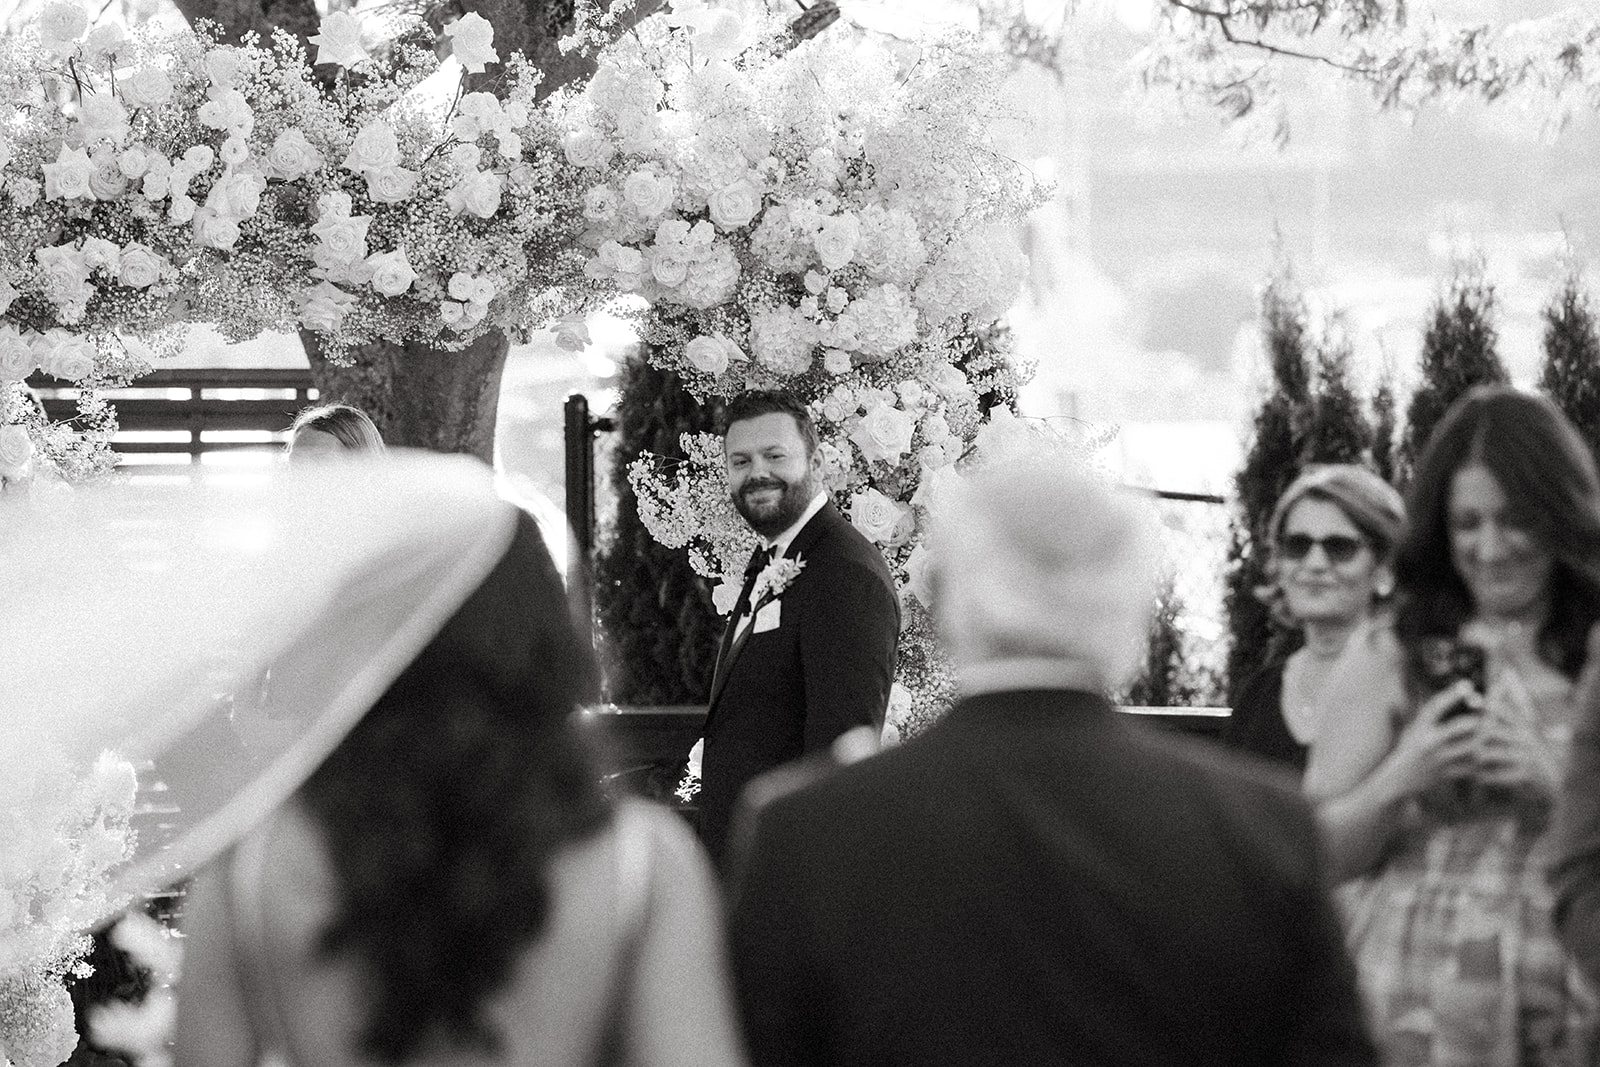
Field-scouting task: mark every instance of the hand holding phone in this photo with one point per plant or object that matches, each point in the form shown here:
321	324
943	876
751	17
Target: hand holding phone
1444	661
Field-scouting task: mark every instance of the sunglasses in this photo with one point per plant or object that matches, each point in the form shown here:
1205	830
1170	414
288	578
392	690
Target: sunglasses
1339	548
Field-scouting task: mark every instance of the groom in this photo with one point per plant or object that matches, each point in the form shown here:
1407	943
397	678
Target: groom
810	646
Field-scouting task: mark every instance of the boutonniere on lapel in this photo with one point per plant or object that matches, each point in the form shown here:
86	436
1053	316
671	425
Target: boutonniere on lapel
774	578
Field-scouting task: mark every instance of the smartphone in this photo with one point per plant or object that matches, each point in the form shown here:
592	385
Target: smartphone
1444	661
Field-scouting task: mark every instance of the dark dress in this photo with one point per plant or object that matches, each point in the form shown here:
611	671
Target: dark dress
1257	724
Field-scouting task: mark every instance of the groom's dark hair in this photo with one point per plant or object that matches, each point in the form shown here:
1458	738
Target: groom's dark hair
758	402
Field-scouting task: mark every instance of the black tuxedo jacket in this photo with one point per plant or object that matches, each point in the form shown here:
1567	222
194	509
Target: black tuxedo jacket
1037	881
826	668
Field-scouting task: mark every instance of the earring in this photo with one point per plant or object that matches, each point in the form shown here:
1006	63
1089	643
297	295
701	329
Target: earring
1383	587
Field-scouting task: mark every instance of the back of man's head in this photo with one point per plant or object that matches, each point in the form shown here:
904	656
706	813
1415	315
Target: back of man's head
1035	558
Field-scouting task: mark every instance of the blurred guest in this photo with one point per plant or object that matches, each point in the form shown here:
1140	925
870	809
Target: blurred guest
1443	737
1036	879
450	885
1331	539
1576	871
331	430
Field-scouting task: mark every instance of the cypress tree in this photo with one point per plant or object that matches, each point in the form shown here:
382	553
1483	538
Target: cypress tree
1310	415
1384	427
1269	465
1162	682
1458	352
1572	358
1338	431
657	620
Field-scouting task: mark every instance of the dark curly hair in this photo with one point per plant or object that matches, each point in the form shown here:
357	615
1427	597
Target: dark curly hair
1547	475
442	808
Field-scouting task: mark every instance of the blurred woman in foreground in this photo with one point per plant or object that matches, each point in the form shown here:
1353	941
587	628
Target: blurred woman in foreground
1443	737
449	886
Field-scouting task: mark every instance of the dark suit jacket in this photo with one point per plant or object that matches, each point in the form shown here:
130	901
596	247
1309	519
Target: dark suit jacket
827	667
1037	881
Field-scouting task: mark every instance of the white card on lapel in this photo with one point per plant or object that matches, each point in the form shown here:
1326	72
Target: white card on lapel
767	618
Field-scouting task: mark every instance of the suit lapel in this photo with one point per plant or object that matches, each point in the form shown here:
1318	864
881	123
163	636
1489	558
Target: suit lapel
808	536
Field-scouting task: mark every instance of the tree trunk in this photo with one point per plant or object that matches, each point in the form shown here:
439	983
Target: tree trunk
420	397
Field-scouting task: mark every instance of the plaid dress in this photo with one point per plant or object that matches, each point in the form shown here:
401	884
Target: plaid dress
1452	936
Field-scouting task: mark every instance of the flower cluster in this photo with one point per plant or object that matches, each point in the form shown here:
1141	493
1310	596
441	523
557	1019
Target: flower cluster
63	835
829	217
157	178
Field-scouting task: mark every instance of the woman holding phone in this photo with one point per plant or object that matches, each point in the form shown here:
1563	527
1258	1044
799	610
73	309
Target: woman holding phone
1444	739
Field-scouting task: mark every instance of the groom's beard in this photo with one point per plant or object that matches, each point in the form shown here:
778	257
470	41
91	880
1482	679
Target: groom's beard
770	517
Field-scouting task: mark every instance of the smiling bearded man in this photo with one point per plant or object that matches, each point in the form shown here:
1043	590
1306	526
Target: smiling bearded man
809	650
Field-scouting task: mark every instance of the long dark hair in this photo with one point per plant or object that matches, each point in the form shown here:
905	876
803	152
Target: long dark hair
1547	475
443	806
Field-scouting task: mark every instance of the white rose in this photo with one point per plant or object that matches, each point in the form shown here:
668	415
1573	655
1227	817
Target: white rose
139	266
222	67
236	195
600	204
227	110
465	157
706	354
344	237
60	26
73	359
878	518
147	87
391	272
472	42
292	156
374	148
182	208
572	333
836	361
17	358
323	307
391	186
215	230
135	161
719	34
836	241
16	449
735	205
883	433
338	40
199	158
668	268
106	180
234	150
509	143
105	39
68	177
649	194
477	194
64	272
100	254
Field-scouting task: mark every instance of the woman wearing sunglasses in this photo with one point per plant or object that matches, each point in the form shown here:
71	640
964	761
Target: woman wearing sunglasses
1332	536
1443	737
